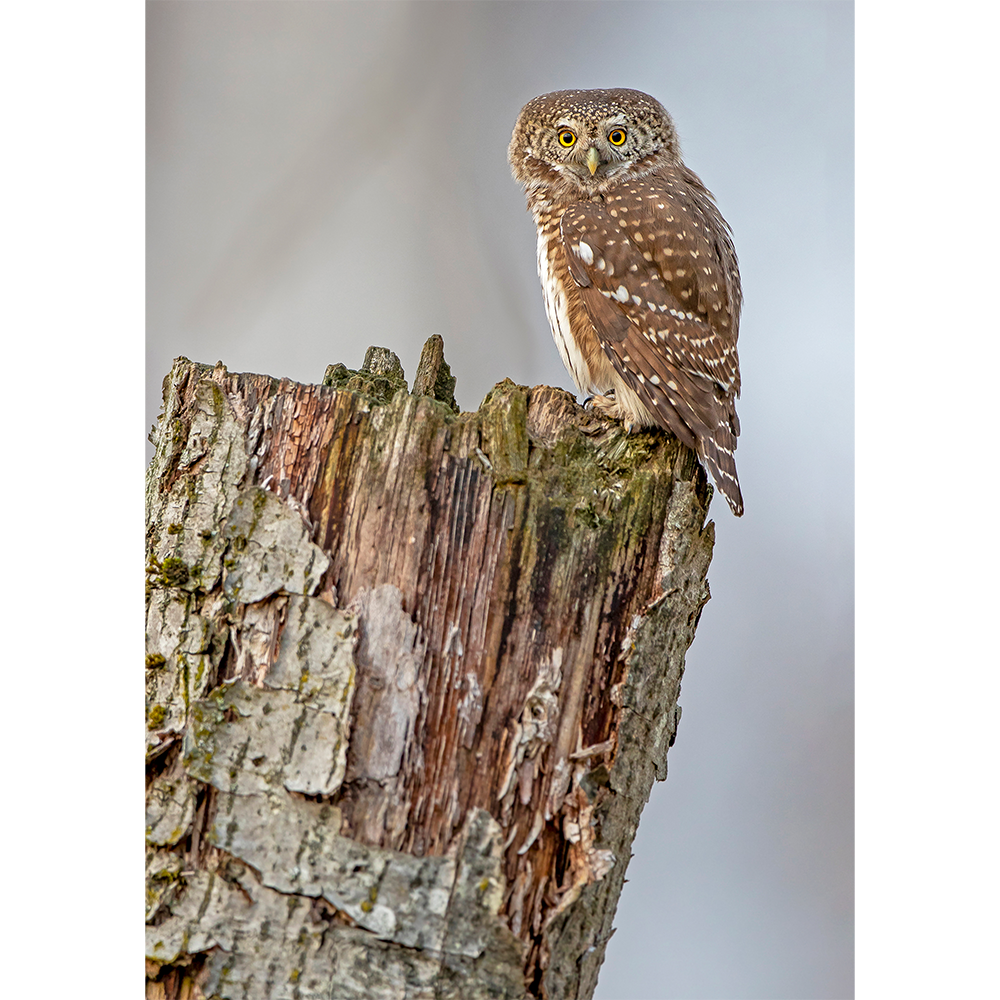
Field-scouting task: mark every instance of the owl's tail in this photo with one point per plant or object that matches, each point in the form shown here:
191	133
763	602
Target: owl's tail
717	452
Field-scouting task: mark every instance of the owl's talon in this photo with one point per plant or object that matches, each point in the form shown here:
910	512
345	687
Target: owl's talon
605	404
594	399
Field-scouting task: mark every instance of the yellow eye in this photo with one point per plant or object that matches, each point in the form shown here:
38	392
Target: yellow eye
566	138
617	137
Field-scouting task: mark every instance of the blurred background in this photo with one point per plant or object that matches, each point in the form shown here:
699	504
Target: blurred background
327	175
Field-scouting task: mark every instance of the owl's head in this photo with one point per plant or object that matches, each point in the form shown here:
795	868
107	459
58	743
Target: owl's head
588	138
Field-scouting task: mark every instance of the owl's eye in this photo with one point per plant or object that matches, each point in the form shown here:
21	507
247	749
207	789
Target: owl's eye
566	138
617	137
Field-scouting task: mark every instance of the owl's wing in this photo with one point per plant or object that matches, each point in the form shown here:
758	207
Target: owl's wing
661	288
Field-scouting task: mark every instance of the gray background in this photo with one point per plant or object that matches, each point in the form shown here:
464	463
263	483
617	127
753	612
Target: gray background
324	176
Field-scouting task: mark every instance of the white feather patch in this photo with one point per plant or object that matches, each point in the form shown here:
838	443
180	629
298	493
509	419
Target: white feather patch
558	315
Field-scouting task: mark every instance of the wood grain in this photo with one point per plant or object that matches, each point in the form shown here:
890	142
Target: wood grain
517	589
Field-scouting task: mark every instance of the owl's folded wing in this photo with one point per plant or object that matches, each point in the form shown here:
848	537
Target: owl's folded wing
655	322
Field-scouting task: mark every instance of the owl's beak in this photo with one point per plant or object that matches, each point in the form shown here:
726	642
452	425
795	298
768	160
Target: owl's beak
593	160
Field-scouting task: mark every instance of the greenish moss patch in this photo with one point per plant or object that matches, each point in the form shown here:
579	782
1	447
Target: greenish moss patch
175	571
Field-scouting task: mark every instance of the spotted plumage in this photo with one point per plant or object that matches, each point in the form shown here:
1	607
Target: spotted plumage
638	270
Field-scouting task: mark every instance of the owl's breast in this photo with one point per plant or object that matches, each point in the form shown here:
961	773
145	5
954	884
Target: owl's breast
572	330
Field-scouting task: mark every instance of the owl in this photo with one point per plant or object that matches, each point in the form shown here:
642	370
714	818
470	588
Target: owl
638	269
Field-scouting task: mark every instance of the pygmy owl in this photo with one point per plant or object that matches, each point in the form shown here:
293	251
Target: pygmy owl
638	269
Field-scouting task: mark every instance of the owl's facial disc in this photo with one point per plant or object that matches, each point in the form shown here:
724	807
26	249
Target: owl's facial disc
591	152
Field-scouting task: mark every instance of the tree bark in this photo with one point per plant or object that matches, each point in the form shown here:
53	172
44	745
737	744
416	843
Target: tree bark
411	674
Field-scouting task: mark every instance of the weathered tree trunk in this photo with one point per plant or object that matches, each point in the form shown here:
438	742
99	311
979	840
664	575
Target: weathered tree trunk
411	674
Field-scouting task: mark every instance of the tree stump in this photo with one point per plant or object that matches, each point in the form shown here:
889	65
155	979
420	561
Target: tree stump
411	674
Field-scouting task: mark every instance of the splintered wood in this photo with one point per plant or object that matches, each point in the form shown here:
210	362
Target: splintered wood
410	676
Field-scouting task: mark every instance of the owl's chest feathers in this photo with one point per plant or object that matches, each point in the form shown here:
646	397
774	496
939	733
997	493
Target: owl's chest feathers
572	330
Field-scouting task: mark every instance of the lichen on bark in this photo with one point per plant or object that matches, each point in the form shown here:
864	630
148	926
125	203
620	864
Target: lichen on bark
410	675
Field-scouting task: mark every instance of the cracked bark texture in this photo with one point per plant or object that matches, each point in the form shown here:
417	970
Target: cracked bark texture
411	674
